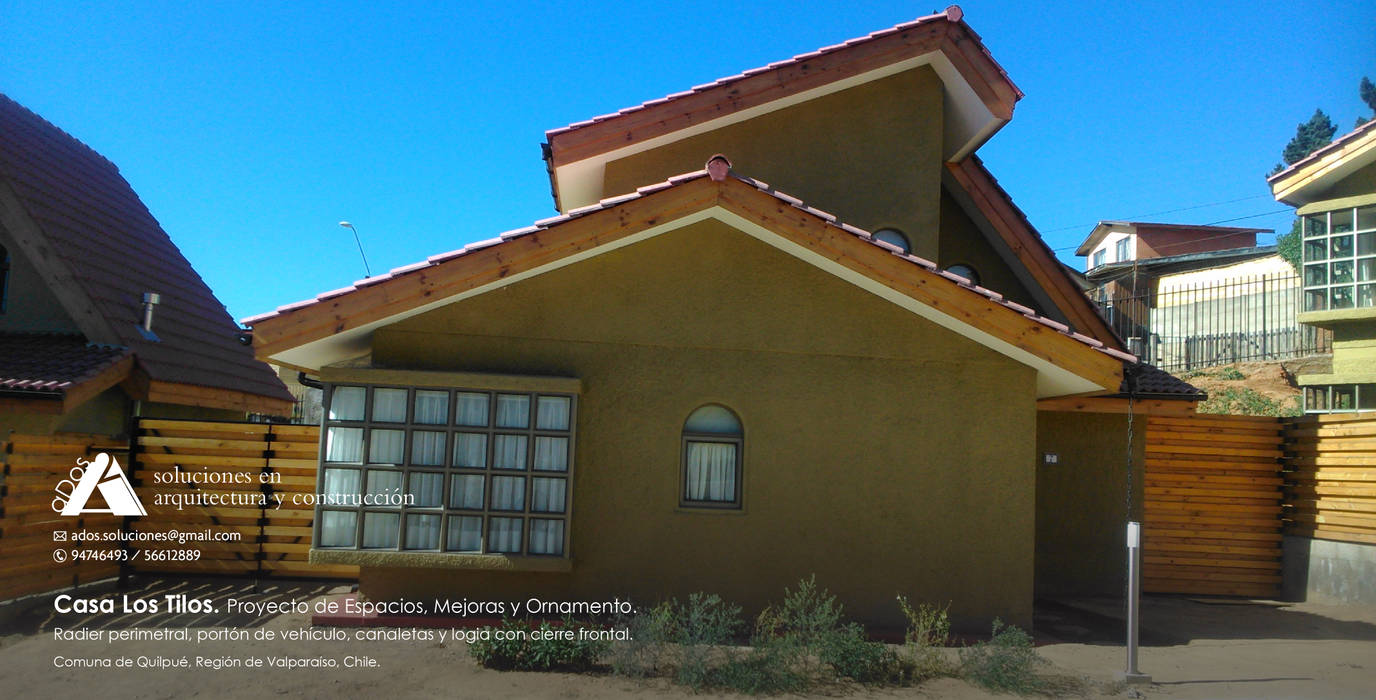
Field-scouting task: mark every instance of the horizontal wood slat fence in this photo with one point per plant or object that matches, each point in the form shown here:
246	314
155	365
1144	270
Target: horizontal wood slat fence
1212	506
33	466
274	541
1330	477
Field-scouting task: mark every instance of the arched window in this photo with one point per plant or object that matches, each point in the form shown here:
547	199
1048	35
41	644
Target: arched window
965	271
712	439
893	237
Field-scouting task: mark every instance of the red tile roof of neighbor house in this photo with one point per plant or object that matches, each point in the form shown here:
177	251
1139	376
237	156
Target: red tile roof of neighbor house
326	303
99	249
52	363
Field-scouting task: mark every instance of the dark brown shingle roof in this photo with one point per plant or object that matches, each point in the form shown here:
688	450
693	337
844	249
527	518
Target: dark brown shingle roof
1158	383
52	363
98	246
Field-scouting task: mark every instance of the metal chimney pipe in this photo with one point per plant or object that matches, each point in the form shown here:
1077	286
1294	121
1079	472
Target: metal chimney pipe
150	300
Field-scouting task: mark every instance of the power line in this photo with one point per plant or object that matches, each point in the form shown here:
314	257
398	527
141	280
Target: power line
1203	238
1170	211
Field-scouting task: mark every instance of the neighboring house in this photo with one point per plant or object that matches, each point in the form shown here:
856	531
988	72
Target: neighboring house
690	380
1196	296
83	345
1334	191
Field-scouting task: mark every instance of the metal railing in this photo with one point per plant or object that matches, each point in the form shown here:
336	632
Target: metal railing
1185	326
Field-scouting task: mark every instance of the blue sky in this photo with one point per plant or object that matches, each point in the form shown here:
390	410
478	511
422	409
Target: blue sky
251	129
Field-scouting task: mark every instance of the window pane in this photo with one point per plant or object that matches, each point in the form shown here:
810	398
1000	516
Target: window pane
1366	295
346	403
1366	397
504	535
426	490
1315	250
380	530
1340	247
1344	397
547	537
1340	221
383	482
432	407
344	445
1341	272
1366	218
508	493
465	534
1340	298
338	528
1315	398
427	448
1315	275
547	495
386	446
389	405
342	486
553	413
711	473
1366	244
422	531
513	411
1315	225
509	451
1316	300
466	491
472	409
552	453
470	450
714	420
1366	269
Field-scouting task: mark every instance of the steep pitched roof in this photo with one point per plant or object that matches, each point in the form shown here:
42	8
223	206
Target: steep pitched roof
337	323
82	226
982	97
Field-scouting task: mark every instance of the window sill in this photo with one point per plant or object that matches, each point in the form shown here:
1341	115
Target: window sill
440	560
690	510
1329	319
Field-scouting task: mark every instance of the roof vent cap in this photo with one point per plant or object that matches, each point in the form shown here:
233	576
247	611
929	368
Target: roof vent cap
718	167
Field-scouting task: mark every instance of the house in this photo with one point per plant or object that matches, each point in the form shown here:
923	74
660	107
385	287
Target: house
693	380
101	317
1334	192
1187	296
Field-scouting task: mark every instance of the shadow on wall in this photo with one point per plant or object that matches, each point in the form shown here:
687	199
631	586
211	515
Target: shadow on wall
37	614
1176	620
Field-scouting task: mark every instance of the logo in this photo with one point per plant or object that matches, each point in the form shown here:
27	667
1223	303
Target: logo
105	474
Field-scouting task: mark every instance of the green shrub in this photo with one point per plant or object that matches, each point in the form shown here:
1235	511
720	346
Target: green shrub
766	670
1007	662
646	653
1231	374
851	655
522	653
702	626
1246	401
929	632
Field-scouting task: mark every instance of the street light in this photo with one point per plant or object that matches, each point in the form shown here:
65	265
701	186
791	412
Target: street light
350	226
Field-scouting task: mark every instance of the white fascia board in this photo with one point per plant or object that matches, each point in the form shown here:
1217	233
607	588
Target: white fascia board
968	124
1051	379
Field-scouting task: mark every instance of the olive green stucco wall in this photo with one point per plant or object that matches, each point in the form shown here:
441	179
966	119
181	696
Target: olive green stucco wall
1361	182
882	453
1081	501
963	243
870	154
29	306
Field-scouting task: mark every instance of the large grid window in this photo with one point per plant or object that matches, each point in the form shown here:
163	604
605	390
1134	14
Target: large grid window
1340	398
446	470
1340	259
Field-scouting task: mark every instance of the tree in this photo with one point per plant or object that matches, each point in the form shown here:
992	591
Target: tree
1367	91
1310	136
1288	245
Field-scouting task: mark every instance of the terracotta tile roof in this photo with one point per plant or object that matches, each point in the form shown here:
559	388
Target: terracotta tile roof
101	246
829	219
952	13
52	363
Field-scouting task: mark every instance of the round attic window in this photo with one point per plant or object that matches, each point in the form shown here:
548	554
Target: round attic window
964	271
893	237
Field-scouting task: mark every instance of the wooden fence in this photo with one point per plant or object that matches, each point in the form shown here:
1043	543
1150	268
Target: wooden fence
1330	477
251	459
30	529
1212	520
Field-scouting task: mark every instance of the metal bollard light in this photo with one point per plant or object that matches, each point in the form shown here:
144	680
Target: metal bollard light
1132	675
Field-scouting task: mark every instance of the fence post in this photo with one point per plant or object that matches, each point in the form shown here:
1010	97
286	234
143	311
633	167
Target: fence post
1264	321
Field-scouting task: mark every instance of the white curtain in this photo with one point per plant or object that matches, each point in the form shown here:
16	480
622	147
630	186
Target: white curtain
547	537
711	471
504	535
386	446
508	492
383	483
552	413
422	532
380	529
466	491
513	411
432	407
389	405
465	534
338	528
346	403
344	445
470	450
547	495
509	451
551	453
427	448
342	486
427	491
472	409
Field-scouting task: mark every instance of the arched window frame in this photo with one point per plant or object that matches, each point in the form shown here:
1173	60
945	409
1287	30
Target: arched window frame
906	244
737	441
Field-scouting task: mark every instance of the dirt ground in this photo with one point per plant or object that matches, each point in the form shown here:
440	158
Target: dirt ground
1269	379
1192	649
